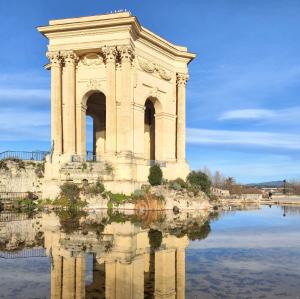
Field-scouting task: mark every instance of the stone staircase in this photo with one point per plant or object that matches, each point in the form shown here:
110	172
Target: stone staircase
78	171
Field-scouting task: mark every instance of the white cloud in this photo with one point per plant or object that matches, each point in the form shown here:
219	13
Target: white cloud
245	138
289	115
247	114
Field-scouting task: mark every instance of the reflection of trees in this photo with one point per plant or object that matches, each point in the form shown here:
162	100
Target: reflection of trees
194	231
70	219
155	238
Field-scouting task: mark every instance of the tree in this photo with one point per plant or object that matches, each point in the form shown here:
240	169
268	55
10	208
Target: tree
155	175
199	179
218	179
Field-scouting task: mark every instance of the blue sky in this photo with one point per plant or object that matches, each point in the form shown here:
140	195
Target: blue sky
243	106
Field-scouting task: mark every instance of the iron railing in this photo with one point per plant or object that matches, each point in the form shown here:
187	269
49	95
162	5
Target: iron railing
25	253
156	162
11	196
89	157
26	156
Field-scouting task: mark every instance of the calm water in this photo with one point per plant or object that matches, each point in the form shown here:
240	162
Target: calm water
251	253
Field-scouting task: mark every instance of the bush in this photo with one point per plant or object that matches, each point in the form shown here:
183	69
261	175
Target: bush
175	186
3	165
155	175
200	179
70	191
138	194
96	189
181	182
194	189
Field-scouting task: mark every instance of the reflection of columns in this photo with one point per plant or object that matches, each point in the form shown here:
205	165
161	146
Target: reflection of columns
80	277
69	124
111	113
110	280
125	128
56	277
165	274
56	103
181	84
68	277
180	273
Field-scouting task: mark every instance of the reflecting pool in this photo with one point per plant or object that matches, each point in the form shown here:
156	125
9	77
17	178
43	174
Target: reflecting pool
248	253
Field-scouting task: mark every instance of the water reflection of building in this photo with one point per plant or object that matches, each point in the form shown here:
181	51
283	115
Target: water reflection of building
126	263
130	259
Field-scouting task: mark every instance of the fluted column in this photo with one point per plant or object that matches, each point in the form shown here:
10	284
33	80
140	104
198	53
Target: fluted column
180	273
125	128
111	110
181	123
56	101
69	99
56	277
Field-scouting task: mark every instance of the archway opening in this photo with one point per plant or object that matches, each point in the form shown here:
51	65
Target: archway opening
96	124
149	130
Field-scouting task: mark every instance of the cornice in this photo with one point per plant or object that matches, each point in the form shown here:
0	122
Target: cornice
79	24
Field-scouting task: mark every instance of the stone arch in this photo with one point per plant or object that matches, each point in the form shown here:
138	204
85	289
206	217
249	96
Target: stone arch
93	104
152	125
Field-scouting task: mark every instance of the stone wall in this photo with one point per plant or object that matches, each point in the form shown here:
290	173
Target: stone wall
21	176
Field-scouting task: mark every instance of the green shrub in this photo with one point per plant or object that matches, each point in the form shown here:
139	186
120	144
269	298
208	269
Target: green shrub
117	198
155	175
181	182
138	194
200	179
175	186
194	189
145	188
70	191
96	189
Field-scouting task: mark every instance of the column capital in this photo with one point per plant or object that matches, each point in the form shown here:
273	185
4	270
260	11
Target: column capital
181	79
126	53
54	58
110	54
70	57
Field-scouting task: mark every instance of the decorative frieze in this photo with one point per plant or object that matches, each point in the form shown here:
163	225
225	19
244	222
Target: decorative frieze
151	67
93	84
92	59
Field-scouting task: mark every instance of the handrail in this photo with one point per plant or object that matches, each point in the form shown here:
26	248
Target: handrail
24	155
156	162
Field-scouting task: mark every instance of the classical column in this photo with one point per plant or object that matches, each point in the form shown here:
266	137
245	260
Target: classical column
181	84
56	277
111	110
165	274
56	101
125	128
180	273
69	99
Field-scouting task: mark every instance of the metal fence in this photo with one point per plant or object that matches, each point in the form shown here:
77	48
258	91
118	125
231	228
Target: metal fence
21	155
155	162
8	196
25	253
89	157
